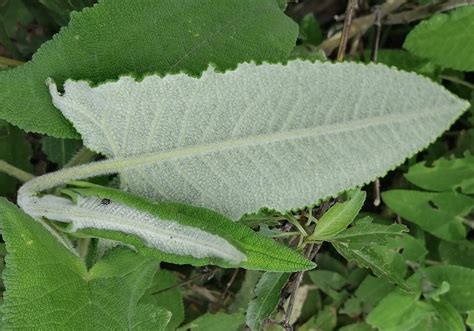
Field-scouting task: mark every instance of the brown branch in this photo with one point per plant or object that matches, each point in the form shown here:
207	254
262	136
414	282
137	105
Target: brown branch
361	25
351	4
422	12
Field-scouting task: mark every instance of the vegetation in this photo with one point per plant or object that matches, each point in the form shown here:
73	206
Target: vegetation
237	164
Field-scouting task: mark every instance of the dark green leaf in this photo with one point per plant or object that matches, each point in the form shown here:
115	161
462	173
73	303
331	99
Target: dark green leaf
48	286
60	151
267	295
161	37
436	213
459	253
216	322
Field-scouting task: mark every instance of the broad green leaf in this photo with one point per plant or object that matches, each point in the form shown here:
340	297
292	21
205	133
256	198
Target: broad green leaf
372	290
229	141
352	308
381	260
448	316
163	294
171	232
470	318
60	9
60	151
445	39
338	217
325	320
412	249
49	288
399	311
361	326
461	291
245	294
142	36
365	233
459	253
310	32
444	174
16	150
327	280
267	295
216	322
437	213
405	61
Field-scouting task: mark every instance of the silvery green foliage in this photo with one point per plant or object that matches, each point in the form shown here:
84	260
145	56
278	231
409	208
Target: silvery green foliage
280	136
168	236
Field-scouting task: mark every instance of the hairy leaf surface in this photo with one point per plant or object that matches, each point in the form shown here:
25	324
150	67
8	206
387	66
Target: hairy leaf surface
142	36
445	39
234	141
171	232
49	288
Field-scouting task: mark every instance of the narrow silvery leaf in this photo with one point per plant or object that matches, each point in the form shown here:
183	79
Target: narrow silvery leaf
169	231
338	217
235	141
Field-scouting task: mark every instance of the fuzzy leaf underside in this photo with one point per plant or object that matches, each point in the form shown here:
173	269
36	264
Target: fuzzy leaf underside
114	38
445	39
171	232
234	141
49	288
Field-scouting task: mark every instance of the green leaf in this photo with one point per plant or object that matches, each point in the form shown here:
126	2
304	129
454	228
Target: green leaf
233	150
399	311
437	213
372	290
470	318
365	233
451	319
338	217
405	61
445	39
60	9
245	294
267	295
171	232
60	151
460	293
310	32
48	286
168	297
382	261
444	174
327	281
361	326
459	253
216	322
14	149
325	320
161	37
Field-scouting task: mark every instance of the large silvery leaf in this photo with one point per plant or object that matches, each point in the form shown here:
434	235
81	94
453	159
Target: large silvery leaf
277	136
114	38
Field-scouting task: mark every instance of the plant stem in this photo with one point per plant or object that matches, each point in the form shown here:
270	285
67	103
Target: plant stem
457	80
7	62
351	4
13	171
361	25
83	247
421	12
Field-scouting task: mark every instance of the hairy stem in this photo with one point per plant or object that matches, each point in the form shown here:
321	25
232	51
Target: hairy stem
84	155
13	171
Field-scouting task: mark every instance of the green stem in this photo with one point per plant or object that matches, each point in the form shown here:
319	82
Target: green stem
13	171
84	155
7	62
457	80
